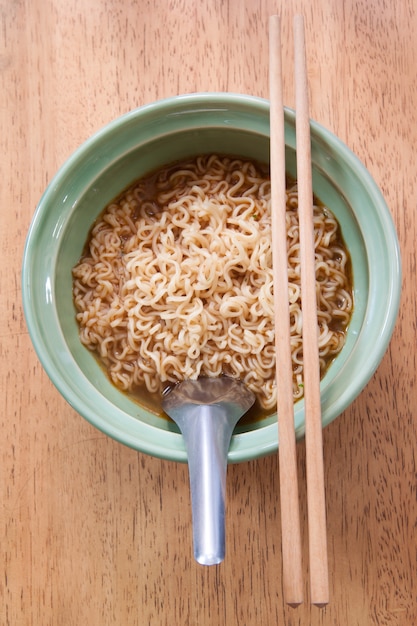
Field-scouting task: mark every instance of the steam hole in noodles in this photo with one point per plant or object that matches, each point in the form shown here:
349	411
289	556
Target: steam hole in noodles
176	280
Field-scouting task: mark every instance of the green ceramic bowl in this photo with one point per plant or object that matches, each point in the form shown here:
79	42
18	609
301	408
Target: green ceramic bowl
138	143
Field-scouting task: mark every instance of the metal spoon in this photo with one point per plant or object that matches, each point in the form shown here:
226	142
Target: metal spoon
206	411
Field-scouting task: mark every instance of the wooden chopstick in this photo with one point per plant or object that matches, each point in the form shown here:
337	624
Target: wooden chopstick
319	583
290	513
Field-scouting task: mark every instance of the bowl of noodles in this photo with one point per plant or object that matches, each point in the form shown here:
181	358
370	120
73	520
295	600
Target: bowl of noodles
148	261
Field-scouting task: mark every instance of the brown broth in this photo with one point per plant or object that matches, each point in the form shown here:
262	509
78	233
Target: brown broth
152	402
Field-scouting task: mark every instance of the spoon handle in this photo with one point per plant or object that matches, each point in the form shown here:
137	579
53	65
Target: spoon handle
207	436
206	411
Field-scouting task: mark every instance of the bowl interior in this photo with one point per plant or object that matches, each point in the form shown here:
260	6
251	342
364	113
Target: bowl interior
135	145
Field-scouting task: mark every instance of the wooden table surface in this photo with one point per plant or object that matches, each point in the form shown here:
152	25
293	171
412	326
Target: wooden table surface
94	533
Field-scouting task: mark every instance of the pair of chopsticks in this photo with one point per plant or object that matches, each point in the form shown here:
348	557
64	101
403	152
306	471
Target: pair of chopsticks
290	515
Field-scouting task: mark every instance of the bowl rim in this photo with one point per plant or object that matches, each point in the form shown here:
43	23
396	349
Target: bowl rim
145	439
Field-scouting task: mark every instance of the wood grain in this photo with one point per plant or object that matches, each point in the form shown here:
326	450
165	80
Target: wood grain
92	532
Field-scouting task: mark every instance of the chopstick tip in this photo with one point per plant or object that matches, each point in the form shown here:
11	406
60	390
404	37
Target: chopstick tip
295	605
274	21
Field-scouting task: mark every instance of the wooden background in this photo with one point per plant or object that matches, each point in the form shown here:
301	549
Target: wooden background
94	533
